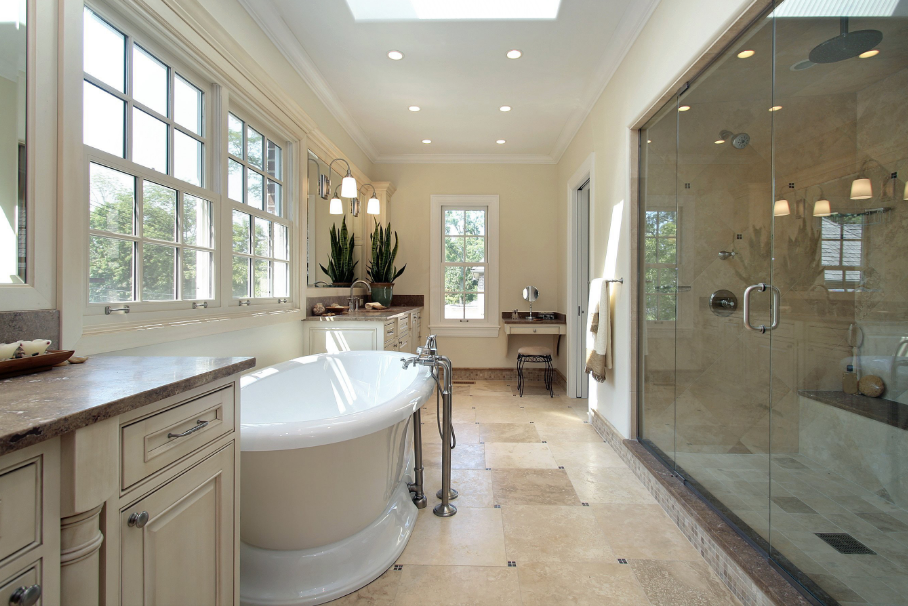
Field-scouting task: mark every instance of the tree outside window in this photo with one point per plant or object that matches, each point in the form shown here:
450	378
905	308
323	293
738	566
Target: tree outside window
661	265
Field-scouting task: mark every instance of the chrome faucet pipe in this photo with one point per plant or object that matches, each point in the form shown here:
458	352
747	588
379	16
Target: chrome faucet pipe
354	302
416	488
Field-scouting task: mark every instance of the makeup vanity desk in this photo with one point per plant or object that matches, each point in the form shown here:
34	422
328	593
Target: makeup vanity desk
525	326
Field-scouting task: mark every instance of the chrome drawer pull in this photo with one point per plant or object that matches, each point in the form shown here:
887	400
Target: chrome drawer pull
138	520
25	596
200	424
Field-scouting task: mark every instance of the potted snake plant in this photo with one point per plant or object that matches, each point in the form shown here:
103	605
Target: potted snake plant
340	260
382	272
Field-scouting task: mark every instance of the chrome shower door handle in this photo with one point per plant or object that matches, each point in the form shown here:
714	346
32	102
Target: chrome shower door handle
776	307
747	292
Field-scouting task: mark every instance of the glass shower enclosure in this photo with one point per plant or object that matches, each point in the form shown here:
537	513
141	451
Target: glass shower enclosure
774	292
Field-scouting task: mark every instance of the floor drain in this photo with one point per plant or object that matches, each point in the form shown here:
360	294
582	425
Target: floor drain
844	543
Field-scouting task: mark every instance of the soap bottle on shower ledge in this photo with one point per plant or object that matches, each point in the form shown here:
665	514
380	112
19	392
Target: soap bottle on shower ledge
850	380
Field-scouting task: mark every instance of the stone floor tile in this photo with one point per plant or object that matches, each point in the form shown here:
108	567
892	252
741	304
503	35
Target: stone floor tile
473	485
532	487
677	583
643	532
504	455
608	485
458	586
561	433
579	584
380	592
472	537
509	432
553	534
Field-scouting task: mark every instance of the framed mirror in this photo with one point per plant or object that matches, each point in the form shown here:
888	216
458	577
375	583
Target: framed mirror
13	173
322	219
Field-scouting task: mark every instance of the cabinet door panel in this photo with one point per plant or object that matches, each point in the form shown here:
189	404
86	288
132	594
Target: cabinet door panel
184	553
332	340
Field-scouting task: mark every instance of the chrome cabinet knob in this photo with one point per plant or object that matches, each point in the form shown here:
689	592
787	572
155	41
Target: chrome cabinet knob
138	520
25	596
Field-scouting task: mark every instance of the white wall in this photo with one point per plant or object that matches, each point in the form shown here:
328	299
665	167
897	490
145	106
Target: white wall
528	242
674	37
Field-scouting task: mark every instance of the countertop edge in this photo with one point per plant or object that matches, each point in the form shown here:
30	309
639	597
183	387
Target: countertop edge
374	316
58	426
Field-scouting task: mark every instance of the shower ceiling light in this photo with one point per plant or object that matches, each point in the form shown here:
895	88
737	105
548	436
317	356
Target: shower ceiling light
746	53
427	141
870	53
719	141
684	108
501	142
861	189
514	54
775	108
822	208
505	108
781	208
414	108
395	55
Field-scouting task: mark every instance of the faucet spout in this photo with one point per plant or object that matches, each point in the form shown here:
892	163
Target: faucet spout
354	302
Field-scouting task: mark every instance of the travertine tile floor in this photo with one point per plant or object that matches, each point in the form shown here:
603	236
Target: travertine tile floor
548	514
806	498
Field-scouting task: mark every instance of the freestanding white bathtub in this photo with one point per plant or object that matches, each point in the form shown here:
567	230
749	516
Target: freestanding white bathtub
325	506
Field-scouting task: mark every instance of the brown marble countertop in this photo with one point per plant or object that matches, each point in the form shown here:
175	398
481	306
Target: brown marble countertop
560	318
885	411
361	315
40	406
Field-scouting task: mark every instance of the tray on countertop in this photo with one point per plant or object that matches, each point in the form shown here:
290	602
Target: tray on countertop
23	366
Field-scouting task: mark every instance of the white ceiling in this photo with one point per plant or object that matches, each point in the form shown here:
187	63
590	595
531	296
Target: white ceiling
457	73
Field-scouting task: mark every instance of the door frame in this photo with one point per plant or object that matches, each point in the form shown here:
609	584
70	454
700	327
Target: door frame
585	172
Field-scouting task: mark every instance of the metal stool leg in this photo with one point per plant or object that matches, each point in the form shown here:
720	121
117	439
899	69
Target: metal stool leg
520	364
549	376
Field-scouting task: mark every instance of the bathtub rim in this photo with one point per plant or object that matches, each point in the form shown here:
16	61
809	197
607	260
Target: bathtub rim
261	437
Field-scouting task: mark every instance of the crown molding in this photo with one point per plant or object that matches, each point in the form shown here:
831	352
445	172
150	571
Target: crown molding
465	159
632	22
268	18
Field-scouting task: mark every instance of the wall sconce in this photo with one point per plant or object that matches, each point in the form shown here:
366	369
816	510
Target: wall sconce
822	208
373	207
348	184
337	207
905	197
781	208
861	189
324	186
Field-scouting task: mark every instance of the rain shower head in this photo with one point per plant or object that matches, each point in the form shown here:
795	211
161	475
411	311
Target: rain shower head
846	45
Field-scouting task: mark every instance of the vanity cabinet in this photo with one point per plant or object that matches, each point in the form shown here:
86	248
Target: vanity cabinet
396	333
135	499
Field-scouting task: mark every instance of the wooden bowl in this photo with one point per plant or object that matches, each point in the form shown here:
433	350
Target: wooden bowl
25	366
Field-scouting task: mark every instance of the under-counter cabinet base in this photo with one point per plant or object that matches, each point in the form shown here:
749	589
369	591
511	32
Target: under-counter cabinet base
396	333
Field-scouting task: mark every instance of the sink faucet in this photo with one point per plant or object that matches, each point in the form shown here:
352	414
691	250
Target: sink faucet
428	356
354	301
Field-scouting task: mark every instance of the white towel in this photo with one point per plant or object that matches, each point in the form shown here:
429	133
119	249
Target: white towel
599	337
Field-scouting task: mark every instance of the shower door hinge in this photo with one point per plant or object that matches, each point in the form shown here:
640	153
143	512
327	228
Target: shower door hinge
684	88
578	310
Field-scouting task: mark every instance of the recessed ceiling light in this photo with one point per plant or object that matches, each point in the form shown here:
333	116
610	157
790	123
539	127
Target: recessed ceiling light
775	108
649	140
500	142
414	108
870	53
684	108
744	54
395	55
719	141
427	141
505	108
514	54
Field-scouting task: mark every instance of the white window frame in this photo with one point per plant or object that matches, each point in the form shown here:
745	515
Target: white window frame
208	190
286	218
491	324
661	295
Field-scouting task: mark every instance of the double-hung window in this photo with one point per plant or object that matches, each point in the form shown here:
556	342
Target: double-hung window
842	251
151	217
464	265
261	223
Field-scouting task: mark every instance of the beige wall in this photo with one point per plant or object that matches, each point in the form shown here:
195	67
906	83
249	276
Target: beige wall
671	41
528	242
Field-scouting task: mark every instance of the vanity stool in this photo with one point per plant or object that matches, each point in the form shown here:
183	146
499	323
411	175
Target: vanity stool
538	355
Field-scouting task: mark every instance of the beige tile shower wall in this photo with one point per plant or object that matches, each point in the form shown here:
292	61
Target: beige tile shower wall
527	249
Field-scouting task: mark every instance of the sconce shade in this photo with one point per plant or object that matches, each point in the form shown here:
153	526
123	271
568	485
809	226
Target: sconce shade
821	208
337	207
861	189
374	206
348	186
905	197
781	208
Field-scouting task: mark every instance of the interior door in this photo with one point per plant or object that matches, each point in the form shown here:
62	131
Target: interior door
177	543
582	237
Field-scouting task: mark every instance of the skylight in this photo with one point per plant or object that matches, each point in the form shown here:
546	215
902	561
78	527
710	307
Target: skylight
840	8
417	10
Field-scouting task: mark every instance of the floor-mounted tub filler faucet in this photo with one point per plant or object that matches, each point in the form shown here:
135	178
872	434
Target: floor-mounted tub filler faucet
428	356
354	301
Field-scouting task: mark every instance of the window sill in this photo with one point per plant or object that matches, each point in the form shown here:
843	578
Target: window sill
485	331
101	338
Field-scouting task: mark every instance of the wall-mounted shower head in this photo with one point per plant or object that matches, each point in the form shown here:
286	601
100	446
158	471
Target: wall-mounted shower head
741	140
846	45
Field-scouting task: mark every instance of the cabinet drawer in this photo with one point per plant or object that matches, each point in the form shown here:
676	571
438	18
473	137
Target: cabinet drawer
20	508
535	330
157	441
23	581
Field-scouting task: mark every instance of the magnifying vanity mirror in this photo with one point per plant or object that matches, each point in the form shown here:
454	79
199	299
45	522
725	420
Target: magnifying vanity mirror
530	293
13	55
